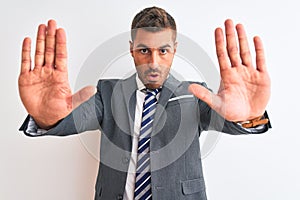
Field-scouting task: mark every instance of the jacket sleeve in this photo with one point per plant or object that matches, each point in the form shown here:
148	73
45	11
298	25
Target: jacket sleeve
85	117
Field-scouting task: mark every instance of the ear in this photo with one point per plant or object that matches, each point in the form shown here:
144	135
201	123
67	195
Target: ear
131	47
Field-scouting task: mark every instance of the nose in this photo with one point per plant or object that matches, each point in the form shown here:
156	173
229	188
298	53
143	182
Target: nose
154	59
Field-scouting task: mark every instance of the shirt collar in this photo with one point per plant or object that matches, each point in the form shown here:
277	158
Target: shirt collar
139	83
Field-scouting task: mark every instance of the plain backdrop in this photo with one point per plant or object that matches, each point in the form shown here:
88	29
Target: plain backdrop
260	167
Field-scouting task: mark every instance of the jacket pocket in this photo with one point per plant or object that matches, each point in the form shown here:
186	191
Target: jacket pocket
175	101
192	186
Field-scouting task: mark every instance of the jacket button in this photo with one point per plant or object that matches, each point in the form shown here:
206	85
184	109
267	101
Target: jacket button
120	197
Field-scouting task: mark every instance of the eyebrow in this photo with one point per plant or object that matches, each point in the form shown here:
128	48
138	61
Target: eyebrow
145	46
165	46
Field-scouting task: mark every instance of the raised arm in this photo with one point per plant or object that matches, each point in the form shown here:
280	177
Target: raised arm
44	87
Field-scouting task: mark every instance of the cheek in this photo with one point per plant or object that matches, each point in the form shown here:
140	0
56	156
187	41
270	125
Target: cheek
138	59
165	71
140	70
168	62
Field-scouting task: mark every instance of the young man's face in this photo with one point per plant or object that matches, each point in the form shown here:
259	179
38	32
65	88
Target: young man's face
153	54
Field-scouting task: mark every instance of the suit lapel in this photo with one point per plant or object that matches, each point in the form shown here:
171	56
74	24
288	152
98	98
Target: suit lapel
129	88
167	91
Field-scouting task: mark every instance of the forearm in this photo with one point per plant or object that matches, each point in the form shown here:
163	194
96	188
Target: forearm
211	120
86	117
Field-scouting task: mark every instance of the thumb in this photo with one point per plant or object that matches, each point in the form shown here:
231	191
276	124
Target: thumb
83	95
204	94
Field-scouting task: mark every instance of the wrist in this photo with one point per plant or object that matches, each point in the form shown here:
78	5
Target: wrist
43	124
260	120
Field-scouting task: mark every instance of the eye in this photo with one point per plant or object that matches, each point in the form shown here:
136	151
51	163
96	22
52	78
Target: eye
163	51
144	51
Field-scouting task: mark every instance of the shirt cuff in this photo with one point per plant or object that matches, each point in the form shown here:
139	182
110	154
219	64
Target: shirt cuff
33	129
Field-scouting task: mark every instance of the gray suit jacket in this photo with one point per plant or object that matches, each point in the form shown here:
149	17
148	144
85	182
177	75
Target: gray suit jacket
176	168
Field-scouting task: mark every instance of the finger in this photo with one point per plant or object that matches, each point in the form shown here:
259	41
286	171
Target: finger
244	46
26	59
222	55
50	44
40	47
232	48
260	55
61	50
204	94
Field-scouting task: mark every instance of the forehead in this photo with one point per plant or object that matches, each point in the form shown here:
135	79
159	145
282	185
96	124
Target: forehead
154	39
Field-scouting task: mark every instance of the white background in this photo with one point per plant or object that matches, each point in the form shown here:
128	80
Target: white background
261	167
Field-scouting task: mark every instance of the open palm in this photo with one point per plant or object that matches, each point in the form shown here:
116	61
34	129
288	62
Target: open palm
44	89
244	90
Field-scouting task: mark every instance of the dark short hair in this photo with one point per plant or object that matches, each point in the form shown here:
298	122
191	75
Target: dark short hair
152	19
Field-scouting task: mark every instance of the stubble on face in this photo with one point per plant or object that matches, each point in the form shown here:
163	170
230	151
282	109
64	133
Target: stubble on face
153	54
153	76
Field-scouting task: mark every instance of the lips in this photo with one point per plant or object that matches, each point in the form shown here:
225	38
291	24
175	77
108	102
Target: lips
153	77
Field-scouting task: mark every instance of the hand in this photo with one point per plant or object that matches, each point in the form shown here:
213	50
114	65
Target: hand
245	89
44	89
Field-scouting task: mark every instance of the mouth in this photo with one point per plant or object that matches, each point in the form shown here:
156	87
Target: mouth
153	77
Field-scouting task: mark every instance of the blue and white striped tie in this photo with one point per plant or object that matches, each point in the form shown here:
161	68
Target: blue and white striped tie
143	175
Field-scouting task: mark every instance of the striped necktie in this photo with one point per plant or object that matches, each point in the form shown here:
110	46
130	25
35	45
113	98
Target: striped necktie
143	176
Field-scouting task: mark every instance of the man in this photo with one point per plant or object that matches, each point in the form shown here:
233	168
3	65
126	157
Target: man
149	122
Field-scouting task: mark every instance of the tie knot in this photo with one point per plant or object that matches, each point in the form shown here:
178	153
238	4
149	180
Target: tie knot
152	92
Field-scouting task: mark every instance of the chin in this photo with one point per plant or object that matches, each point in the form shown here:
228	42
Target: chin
153	85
